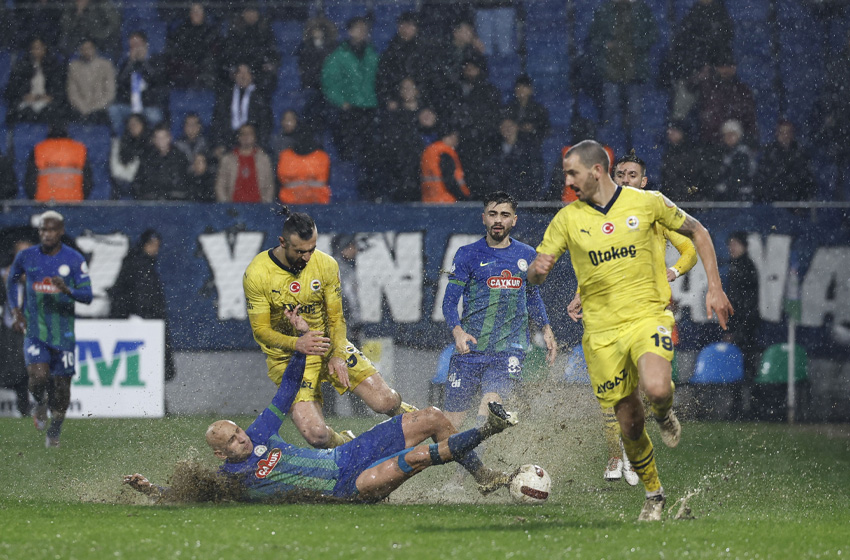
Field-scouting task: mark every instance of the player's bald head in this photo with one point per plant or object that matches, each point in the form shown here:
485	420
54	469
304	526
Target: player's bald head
217	432
590	153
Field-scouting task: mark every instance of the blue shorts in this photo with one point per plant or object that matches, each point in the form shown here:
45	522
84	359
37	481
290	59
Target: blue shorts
366	450
475	373
60	362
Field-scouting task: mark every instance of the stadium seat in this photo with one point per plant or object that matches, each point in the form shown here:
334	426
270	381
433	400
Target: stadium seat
26	136
184	101
340	11
98	143
718	363
288	35
5	68
774	365
576	369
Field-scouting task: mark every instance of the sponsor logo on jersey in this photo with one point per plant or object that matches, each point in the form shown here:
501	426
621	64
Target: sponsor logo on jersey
612	254
305	309
522	264
608	228
64	270
632	222
45	287
504	282
603	388
267	465
315	285
482	263
295	287
260	450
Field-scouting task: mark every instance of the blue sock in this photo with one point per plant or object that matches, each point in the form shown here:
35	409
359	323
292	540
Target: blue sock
462	446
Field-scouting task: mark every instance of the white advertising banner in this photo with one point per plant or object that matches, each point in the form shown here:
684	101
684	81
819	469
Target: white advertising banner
120	370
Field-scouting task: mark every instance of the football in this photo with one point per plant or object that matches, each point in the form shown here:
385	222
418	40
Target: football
531	485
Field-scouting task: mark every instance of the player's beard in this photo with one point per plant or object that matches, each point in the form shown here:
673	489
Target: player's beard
499	236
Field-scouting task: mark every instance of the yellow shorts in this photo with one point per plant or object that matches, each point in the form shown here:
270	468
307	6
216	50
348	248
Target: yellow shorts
316	372
612	355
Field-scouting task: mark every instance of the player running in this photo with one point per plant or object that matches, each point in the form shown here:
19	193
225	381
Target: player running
56	277
630	171
620	268
492	337
266	468
294	274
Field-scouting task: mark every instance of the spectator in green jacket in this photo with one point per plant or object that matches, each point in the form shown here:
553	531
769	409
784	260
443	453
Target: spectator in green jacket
348	82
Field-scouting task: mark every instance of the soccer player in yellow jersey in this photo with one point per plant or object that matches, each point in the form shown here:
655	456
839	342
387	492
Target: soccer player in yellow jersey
619	264
630	171
294	274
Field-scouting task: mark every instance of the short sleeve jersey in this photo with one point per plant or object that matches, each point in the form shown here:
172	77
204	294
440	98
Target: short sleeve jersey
616	254
49	312
495	293
271	287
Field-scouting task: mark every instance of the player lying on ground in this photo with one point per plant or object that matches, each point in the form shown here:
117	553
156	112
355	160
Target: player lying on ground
263	467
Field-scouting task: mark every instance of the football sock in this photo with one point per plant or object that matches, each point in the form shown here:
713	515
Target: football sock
611	428
434	451
462	445
55	428
401	409
642	456
661	410
336	439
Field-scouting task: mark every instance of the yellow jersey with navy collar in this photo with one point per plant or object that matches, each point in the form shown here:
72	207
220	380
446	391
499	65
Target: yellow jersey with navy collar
616	254
271	287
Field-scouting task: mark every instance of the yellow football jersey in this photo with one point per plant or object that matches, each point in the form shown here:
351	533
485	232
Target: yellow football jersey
270	287
616	254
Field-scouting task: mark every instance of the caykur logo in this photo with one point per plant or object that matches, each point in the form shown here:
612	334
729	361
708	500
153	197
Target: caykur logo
267	465
504	282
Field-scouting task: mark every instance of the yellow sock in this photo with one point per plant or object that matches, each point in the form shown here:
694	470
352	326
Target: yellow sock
642	456
611	428
401	409
336	439
661	410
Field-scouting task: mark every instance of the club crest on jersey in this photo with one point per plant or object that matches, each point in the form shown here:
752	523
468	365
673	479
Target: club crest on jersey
295	287
607	228
315	285
64	270
522	264
506	281
267	465
260	450
45	287
663	330
632	222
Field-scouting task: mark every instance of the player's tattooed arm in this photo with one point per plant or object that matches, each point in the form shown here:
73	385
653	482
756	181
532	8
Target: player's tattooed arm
690	227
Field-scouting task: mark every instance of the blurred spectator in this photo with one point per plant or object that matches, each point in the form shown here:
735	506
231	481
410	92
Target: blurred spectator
438	18
140	85
13	371
98	20
681	166
833	109
245	174
784	173
406	56
138	290
201	179
320	40
91	86
348	82
442	174
448	61
8	180
191	50
193	141
531	116
37	18
402	144
237	106
478	113
304	171
162	170
737	166
723	97
518	169
495	23
621	34
58	169
250	40
286	137
36	87
126	154
702	39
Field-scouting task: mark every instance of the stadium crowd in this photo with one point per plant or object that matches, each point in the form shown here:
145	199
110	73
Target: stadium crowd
424	120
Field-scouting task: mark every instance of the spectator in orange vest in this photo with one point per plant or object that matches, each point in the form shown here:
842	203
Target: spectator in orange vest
304	171
245	173
442	173
58	169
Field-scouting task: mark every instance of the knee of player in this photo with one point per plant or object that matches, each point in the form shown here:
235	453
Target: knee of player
387	403
658	390
318	436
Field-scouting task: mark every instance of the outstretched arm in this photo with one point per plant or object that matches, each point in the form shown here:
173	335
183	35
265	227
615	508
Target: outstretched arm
716	302
141	484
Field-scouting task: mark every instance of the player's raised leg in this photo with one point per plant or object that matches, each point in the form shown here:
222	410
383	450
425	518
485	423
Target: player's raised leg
656	380
308	418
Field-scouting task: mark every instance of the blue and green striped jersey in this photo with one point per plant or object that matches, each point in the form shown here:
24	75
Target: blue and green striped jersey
276	467
497	299
49	312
